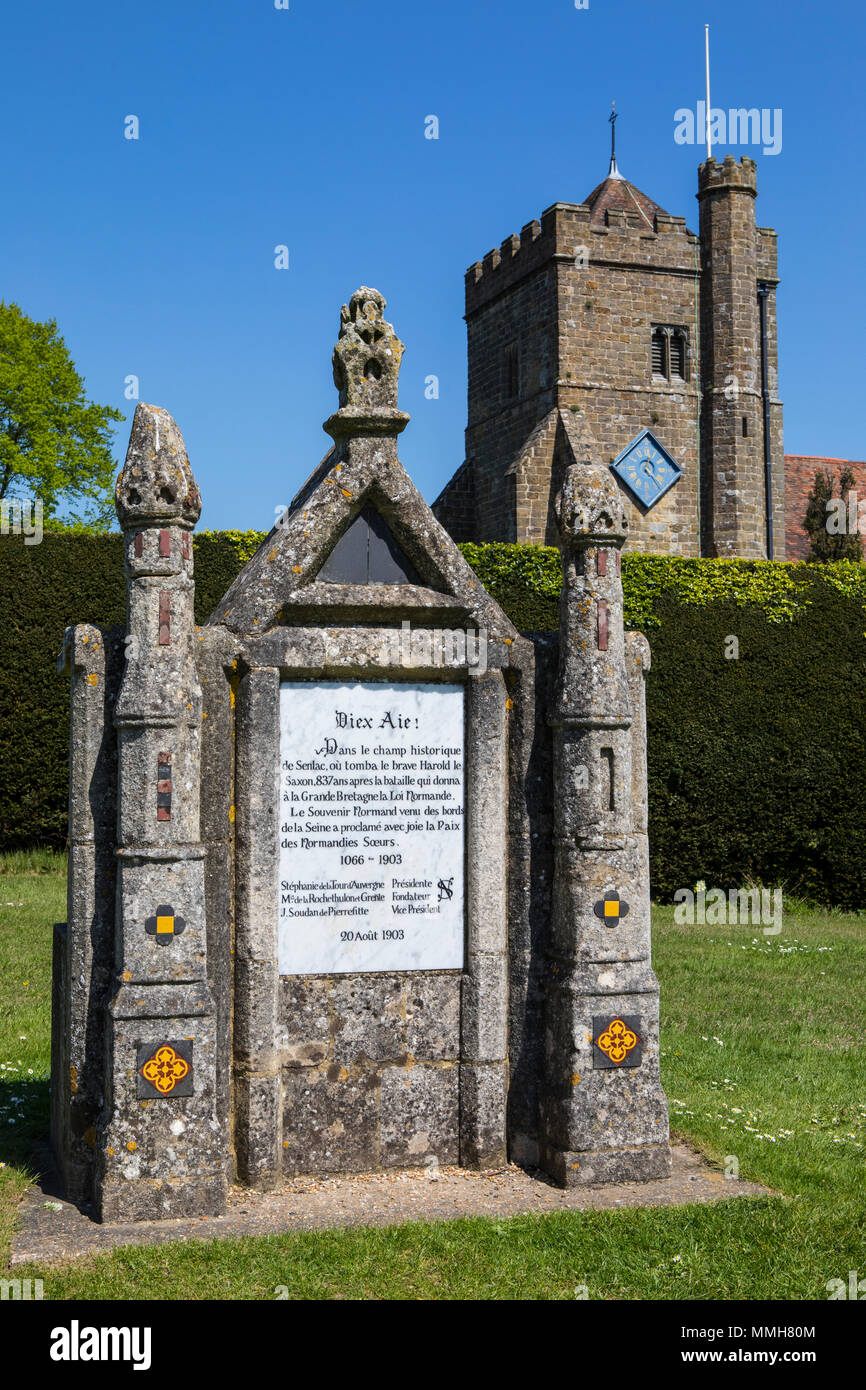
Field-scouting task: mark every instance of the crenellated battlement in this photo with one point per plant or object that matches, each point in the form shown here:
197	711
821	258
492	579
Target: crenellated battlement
665	222
514	258
562	229
741	174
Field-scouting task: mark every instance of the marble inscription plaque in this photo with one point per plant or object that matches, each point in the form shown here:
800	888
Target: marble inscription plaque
371	829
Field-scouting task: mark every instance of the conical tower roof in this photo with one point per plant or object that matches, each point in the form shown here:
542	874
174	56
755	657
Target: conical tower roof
617	194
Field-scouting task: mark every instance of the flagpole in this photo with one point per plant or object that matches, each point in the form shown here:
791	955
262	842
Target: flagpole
707	49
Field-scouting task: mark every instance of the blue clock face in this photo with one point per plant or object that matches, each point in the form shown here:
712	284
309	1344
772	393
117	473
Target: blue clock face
647	469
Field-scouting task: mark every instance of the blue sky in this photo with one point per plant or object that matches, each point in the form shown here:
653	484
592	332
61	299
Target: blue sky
305	127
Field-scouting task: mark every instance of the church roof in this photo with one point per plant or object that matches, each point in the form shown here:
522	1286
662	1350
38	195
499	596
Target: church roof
616	194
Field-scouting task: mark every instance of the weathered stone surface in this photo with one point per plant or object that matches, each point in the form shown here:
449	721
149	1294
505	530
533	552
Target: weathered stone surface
146	885
600	987
484	1032
432	1006
355	1037
216	657
306	1023
256	983
331	1120
596	1168
156	482
167	1153
162	1156
487	814
84	945
219	922
259	1108
530	881
368	354
483	1096
369	1019
257	790
420	1114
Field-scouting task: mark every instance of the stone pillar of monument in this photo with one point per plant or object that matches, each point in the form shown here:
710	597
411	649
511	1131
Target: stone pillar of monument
161	1150
604	1114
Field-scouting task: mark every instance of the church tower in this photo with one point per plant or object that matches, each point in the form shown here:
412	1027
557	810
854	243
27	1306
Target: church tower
613	315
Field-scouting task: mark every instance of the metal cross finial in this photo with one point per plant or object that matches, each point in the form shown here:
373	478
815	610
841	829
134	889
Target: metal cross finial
613	172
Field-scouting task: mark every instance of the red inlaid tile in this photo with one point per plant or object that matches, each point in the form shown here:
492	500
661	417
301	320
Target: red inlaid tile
164	544
602	626
164	618
163	786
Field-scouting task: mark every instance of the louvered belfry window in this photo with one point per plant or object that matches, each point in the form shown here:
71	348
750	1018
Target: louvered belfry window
678	356
659	353
670	353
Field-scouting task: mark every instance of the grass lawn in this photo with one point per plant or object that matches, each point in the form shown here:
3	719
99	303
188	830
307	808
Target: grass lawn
763	1062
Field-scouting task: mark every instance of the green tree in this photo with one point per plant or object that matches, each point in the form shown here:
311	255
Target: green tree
825	544
55	444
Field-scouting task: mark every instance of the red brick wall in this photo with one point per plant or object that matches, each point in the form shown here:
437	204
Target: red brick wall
800	470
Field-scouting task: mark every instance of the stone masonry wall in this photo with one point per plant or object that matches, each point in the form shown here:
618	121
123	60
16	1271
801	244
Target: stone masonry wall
455	506
637	277
510	299
768	272
372	1064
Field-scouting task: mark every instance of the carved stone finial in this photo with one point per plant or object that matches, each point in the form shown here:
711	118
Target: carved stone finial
366	363
156	483
368	354
590	507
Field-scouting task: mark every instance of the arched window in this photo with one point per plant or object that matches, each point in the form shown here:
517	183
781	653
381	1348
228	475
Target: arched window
670	353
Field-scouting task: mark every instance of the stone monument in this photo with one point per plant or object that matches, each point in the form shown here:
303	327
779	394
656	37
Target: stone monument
606	1116
310	922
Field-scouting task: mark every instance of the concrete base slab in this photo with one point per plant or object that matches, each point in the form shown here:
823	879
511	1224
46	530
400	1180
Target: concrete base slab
47	1236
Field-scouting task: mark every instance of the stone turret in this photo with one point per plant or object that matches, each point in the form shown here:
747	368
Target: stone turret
604	1115
738	267
160	1152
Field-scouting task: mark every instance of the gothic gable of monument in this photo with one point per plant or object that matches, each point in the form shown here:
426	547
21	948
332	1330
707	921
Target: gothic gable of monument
359	536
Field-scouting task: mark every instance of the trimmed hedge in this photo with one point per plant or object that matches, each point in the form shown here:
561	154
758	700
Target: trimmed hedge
526	580
757	764
43	589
